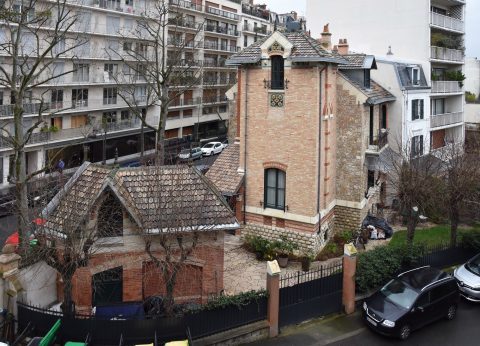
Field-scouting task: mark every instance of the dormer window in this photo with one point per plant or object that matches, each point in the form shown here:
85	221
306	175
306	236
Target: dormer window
415	76
366	79
278	72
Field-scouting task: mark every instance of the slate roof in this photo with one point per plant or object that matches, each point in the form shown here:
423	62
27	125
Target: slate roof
375	94
305	49
358	61
404	74
160	199
224	172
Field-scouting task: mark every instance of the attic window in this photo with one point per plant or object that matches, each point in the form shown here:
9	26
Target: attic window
415	76
278	72
110	217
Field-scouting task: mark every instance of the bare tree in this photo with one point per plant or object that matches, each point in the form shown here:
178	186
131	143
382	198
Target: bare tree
461	177
34	36
159	65
413	178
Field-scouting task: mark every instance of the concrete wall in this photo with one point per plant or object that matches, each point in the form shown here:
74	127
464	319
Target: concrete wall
472	72
39	284
372	25
472	113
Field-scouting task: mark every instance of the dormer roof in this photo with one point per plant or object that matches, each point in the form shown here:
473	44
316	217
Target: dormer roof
358	62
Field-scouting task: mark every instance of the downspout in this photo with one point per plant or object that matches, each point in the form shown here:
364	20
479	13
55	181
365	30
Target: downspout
245	151
327	133
319	166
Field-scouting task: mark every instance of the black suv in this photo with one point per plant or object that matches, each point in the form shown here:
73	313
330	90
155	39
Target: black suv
410	301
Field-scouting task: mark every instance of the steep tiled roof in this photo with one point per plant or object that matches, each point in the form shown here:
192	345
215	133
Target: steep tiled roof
224	172
375	94
358	61
160	199
404	73
304	48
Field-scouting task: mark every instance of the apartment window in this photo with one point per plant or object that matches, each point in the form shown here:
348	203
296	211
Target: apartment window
125	115
245	41
438	106
417	109
113	24
417	146
141	72
141	93
129	2
111	69
370	179
81	72
109	117
1	98
79	98
274	189
415	76
59	48
277	73
110	96
57	99
127	46
366	78
141	48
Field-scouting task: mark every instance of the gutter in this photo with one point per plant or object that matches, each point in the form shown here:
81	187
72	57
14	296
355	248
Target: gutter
319	166
245	152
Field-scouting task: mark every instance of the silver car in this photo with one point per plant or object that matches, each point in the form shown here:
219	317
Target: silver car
468	279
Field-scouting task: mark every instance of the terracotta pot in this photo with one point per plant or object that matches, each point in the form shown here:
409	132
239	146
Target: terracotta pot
282	261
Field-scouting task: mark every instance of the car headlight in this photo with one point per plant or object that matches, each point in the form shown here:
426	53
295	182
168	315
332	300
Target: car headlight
365	306
388	323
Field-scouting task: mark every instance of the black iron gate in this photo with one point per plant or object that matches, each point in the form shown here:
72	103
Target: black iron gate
306	295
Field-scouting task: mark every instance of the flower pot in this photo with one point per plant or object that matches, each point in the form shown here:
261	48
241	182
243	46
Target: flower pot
259	255
306	264
282	261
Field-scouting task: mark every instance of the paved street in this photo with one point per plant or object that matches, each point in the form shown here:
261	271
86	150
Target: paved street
464	331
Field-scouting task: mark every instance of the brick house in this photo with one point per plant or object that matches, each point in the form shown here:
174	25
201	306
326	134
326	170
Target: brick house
362	133
120	209
286	121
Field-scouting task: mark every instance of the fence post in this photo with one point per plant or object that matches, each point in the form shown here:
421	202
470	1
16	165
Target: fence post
349	269
273	288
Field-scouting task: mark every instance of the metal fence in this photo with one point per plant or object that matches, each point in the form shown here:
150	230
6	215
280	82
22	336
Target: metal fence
306	295
444	255
138	331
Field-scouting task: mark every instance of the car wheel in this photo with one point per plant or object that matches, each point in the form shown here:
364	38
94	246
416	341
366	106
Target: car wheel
405	332
452	312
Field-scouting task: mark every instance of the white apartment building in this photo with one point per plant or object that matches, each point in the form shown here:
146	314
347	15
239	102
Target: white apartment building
429	32
85	106
472	72
256	23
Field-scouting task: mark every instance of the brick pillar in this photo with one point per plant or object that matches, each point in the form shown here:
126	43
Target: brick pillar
273	288
349	269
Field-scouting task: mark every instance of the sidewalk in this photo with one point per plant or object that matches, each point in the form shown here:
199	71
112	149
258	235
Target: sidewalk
323	331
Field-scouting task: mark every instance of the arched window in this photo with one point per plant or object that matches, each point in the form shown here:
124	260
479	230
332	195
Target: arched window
110	217
274	188
278	75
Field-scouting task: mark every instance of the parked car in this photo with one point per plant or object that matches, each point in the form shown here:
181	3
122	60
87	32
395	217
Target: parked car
212	148
225	143
468	279
410	301
190	154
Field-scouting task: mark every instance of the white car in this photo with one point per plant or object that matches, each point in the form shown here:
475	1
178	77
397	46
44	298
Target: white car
212	148
468	279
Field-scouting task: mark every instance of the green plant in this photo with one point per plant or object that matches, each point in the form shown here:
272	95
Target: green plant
470	97
446	41
471	239
261	246
238	300
455	76
53	128
284	246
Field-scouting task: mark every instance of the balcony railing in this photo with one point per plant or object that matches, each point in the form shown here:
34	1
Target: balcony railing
222	47
377	142
185	102
255	12
225	14
441	53
257	29
447	22
28	109
185	23
186	4
221	30
446	87
446	119
215	99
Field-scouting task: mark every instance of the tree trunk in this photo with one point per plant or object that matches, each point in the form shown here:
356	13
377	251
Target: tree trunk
454	220
411	225
142	141
67	306
170	278
160	137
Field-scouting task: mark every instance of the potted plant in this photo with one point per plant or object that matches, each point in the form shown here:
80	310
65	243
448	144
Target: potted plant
284	247
307	260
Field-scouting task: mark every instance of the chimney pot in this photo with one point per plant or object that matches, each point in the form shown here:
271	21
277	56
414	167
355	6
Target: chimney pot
326	40
343	46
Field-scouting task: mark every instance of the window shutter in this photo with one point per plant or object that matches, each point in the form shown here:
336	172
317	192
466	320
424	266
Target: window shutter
414	109
421	145
421	110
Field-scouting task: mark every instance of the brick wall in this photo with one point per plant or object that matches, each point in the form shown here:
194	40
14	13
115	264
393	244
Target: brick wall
201	277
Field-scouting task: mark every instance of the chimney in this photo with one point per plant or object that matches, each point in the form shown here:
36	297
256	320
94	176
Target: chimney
294	15
335	49
343	46
326	40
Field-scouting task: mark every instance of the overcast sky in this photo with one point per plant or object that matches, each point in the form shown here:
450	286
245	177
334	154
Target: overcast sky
472	41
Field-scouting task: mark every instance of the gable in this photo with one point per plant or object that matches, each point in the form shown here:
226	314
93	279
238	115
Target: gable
276	44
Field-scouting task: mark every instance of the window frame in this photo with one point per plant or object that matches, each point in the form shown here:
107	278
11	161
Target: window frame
277	73
420	146
418	109
279	205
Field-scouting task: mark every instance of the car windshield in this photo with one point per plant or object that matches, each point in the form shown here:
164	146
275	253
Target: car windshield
399	293
209	145
185	151
474	265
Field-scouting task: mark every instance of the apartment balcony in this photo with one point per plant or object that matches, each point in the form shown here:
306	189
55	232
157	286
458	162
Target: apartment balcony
186	102
221	13
446	22
214	100
265	15
377	142
446	54
185	4
441	120
28	109
187	24
446	87
221	30
221	47
256	29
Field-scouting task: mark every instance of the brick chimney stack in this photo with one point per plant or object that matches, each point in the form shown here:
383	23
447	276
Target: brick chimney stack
343	46
326	40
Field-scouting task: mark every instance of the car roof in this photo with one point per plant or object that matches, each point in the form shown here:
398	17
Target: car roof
419	278
213	143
